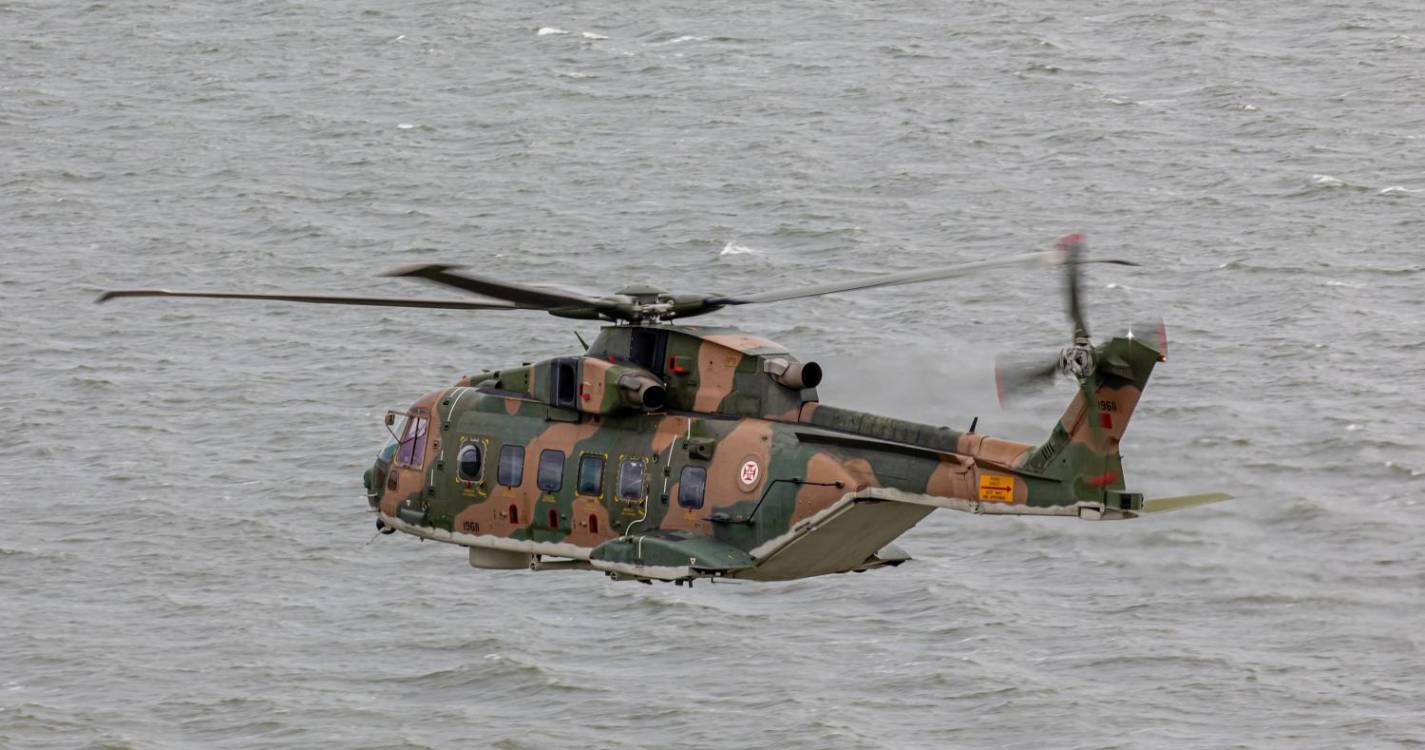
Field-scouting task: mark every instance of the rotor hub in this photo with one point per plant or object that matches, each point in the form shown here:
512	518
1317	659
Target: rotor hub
1077	360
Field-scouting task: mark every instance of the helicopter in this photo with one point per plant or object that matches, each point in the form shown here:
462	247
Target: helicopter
676	452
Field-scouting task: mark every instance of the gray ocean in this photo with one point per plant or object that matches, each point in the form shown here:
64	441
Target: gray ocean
186	558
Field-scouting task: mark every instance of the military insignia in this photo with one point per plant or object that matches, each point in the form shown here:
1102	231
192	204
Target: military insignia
748	475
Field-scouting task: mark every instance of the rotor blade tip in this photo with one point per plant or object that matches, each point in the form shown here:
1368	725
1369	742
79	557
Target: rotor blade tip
419	269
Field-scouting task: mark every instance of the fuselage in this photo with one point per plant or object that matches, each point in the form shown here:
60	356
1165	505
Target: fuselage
496	465
552	461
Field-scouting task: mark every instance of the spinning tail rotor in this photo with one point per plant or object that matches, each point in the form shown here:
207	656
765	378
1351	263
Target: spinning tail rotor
1078	359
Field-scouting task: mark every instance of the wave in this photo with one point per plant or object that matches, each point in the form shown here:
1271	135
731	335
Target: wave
733	248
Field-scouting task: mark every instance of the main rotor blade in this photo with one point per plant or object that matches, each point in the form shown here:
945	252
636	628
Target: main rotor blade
897	279
526	297
312	298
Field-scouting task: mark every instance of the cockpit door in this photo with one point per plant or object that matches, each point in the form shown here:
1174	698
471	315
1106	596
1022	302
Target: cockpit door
406	480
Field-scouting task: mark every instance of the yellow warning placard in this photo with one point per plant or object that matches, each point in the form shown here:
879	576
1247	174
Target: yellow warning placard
996	488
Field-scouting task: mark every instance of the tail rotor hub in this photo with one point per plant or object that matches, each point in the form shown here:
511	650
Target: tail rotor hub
1077	360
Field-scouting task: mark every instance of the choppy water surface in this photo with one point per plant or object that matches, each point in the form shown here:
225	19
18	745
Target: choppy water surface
185	556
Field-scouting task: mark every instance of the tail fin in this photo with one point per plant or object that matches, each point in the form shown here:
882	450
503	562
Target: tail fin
1082	451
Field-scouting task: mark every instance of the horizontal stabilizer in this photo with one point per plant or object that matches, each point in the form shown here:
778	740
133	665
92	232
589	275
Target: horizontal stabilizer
1161	504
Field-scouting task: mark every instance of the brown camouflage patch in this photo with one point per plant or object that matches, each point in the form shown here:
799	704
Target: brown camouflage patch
952	478
717	367
744	343
1005	453
668	430
592	385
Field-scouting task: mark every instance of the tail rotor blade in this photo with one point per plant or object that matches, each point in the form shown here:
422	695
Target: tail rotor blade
1013	379
1072	248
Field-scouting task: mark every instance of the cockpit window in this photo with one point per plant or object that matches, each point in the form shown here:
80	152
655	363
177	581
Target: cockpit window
389	452
413	443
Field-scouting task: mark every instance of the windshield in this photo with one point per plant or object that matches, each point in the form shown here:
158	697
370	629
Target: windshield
389	451
413	444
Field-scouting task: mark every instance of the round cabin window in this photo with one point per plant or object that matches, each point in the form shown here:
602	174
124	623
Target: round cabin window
468	462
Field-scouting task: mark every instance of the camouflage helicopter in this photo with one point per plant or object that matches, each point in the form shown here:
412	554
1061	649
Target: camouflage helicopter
680	452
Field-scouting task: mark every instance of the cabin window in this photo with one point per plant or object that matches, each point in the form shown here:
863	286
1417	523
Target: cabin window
511	472
630	480
591	475
551	470
468	462
691	484
413	443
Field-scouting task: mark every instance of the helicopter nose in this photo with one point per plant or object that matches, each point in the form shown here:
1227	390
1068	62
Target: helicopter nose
370	493
375	482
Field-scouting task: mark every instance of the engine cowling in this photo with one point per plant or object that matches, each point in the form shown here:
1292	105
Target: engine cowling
608	388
